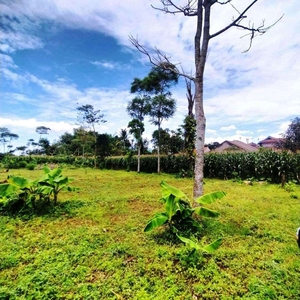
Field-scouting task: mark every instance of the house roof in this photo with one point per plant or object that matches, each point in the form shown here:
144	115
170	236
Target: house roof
238	144
206	149
253	145
270	140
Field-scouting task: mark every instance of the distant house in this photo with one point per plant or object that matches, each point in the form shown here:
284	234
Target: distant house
228	146
206	149
270	142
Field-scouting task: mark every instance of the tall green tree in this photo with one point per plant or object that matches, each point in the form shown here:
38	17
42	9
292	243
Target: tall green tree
138	108
162	140
292	136
171	141
22	149
45	147
189	127
6	137
64	144
124	140
201	10
189	124
87	115
42	130
163	106
105	145
83	139
136	128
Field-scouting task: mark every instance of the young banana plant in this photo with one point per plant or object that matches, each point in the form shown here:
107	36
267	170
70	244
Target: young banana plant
178	209
196	247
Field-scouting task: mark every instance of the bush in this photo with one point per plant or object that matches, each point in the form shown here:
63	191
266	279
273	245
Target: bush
31	166
22	164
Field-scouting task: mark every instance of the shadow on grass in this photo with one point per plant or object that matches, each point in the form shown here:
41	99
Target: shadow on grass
46	209
166	235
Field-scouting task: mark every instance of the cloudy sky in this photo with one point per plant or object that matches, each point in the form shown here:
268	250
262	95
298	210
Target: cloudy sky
57	54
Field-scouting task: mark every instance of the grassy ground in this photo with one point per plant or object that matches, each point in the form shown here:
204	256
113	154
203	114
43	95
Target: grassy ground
92	245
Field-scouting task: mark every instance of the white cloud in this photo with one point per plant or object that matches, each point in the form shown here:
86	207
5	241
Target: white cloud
228	128
109	65
12	41
14	77
7	61
25	128
265	80
243	132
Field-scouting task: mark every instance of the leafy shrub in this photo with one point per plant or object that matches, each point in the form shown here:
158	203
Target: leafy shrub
179	213
31	166
19	192
22	164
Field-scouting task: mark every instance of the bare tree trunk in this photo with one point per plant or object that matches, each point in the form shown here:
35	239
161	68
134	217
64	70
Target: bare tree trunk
190	97
158	151
200	59
200	138
139	158
200	9
95	151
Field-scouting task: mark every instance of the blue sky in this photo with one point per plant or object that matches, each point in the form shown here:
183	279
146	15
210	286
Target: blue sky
56	54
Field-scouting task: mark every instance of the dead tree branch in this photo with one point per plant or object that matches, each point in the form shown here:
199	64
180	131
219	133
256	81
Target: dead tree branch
188	10
157	58
254	31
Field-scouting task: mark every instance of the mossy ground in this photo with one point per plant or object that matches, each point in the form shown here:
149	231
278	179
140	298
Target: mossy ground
92	245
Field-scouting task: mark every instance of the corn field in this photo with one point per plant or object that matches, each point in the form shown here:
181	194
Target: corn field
263	165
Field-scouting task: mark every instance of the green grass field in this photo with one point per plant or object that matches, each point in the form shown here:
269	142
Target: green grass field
92	244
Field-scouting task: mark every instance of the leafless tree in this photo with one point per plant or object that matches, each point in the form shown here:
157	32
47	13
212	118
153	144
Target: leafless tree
201	10
190	96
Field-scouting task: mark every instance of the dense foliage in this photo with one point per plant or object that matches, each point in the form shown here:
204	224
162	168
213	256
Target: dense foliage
18	193
291	139
263	165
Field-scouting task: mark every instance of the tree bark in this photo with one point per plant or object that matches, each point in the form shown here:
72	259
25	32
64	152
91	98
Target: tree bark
139	158
200	59
158	151
200	138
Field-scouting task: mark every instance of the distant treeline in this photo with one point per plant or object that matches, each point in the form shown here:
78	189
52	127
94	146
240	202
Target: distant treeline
263	165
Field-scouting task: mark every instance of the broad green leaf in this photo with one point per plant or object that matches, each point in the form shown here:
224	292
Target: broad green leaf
168	190
213	246
171	206
185	209
189	242
156	221
206	212
6	189
55	172
210	198
46	169
61	180
21	182
46	190
44	178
